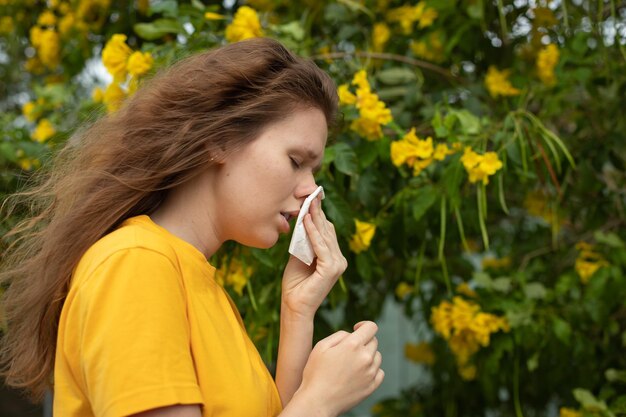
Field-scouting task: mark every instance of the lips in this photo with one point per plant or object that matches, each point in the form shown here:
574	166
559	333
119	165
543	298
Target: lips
288	215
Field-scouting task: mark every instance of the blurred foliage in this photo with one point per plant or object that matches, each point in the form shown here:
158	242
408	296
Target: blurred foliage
478	176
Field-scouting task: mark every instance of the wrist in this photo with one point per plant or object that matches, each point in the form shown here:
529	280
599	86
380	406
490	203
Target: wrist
302	400
291	315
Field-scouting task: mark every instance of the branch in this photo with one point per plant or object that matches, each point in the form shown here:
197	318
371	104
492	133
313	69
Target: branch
391	57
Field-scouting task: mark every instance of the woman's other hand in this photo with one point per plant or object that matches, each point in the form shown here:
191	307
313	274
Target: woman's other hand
343	369
305	287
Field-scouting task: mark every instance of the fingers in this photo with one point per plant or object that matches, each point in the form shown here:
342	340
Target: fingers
365	332
333	340
372	346
317	241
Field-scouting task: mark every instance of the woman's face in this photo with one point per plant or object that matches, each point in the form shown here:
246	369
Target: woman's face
262	185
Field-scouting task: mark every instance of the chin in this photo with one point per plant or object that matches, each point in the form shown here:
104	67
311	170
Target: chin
261	242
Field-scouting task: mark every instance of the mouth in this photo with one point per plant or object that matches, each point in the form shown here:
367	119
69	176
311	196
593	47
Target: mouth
288	215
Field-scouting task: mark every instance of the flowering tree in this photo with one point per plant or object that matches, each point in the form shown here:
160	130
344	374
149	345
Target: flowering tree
479	174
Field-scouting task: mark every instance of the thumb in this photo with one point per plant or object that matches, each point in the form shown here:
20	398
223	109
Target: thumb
333	340
359	324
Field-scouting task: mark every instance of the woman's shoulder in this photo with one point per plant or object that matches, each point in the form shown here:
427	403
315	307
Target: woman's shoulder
137	235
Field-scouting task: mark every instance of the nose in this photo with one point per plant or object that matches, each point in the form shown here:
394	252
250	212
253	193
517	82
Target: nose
305	187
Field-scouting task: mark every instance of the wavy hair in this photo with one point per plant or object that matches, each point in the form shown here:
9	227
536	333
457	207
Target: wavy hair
188	116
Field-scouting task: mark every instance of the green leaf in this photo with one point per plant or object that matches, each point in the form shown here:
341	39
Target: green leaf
533	362
370	188
502	284
520	315
562	329
396	75
609	239
363	266
338	211
356	6
535	290
475	11
345	158
482	279
615	375
168	8
7	150
293	29
263	256
437	123
421	200
470	124
157	29
588	400
452	178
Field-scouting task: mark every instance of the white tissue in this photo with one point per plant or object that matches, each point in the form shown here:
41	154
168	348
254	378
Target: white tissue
300	245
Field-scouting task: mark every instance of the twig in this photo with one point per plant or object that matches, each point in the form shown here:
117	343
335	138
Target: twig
391	57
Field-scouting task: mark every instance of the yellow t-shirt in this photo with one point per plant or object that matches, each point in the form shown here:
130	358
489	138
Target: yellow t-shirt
145	325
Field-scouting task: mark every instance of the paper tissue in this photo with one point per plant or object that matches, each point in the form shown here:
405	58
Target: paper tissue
300	245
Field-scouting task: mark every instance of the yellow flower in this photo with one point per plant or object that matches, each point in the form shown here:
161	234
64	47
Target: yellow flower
465	290
585	268
93	13
64	8
403	289
233	274
115	56
214	16
6	25
480	167
490	262
441	151
427	15
48	48
47	18
43	131
413	151
380	36
97	95
569	412
66	23
468	372
419	353
245	25
33	65
429	48
142	6
537	204
498	84
113	97
547	58
30	112
588	261
133	85
360	80
407	15
372	112
345	96
465	327
139	63
362	238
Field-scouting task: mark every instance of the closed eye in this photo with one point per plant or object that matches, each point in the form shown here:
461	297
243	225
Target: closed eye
294	163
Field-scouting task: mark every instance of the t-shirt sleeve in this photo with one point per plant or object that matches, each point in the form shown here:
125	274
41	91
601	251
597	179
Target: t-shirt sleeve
135	337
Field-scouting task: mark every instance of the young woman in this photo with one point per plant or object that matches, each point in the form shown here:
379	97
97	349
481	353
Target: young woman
111	297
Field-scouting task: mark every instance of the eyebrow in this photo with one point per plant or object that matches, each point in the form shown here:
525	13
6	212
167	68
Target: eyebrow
313	156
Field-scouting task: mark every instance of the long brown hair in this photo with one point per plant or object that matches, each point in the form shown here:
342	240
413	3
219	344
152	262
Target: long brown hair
199	110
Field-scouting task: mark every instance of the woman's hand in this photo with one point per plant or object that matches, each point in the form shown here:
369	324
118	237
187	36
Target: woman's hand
342	370
305	287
